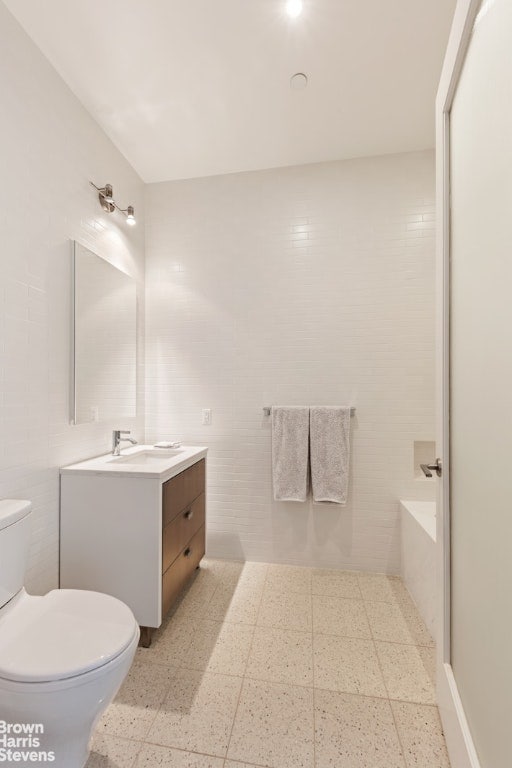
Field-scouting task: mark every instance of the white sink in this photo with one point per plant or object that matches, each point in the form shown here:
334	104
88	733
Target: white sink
148	456
141	461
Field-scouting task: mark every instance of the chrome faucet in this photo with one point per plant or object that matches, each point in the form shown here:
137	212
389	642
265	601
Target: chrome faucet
116	440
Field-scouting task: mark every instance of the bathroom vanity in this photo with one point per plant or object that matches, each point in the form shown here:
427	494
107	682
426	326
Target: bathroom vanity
133	526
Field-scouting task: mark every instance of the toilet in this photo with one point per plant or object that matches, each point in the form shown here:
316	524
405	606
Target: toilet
63	656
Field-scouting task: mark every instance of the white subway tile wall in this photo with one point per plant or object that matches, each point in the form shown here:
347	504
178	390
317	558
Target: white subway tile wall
50	149
306	285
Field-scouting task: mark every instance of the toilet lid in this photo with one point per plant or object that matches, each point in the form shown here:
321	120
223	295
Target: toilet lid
63	634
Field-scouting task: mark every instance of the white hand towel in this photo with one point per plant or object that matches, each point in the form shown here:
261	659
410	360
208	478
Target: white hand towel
330	452
290	448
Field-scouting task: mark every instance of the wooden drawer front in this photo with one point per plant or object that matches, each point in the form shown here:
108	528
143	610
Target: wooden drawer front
172	582
182	569
180	530
180	491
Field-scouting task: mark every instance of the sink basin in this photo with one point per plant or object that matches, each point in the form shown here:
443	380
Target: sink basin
142	461
147	457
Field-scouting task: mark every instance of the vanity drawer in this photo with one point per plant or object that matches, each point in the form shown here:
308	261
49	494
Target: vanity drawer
182	569
180	491
180	530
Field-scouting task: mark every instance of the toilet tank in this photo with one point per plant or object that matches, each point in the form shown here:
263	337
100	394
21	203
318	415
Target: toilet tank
14	546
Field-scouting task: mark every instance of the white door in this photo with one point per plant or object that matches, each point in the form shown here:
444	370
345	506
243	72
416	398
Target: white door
475	385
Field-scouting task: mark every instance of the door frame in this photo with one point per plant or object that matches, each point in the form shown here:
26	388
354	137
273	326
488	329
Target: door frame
458	736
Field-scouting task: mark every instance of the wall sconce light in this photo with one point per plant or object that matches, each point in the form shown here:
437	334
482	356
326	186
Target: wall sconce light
107	202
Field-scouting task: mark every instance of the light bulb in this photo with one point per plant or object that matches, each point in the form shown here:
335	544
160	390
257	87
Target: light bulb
294	8
130	216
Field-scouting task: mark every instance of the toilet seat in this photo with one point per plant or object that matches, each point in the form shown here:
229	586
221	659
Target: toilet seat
62	635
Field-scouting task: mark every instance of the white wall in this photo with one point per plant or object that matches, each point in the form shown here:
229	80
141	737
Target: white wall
49	148
304	285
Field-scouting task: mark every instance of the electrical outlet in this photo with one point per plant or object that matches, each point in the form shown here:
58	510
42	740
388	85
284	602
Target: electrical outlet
207	416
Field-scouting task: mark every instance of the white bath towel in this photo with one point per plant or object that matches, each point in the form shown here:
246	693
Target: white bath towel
330	452
290	449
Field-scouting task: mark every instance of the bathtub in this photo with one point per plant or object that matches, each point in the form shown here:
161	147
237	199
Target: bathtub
418	534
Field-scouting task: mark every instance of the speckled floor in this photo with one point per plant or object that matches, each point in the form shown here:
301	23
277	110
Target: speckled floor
280	667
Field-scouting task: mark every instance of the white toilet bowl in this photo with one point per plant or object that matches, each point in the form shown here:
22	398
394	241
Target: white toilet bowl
63	657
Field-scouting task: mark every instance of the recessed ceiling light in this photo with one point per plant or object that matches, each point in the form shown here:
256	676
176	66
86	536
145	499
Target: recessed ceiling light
298	81
294	8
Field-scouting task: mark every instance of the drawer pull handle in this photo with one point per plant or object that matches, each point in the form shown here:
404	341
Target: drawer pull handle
187	552
188	515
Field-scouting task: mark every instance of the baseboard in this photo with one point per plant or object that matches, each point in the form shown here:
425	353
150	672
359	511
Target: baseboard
456	730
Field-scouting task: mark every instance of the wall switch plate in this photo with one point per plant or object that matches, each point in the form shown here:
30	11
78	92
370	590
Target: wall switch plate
207	416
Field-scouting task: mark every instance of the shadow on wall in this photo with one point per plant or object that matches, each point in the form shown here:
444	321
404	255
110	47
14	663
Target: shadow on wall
296	525
221	541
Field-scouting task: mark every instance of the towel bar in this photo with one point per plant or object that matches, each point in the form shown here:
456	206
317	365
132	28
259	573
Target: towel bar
267	410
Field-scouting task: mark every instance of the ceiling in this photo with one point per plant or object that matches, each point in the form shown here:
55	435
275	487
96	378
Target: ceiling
190	88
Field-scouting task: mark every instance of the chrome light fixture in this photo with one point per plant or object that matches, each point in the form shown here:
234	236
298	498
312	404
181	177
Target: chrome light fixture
130	215
107	202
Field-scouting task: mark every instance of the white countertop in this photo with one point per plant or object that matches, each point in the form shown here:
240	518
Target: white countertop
144	461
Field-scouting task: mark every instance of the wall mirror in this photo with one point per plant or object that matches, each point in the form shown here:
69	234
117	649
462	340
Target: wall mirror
103	339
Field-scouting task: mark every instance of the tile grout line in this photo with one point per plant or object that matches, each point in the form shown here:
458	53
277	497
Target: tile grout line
187	751
402	750
312	687
178	668
109	736
302	685
414	640
150	723
313	671
174	668
246	664
136	759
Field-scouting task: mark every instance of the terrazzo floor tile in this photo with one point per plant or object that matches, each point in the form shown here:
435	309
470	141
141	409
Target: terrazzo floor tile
136	705
289	578
381	588
281	656
355	732
421	734
285	610
232	571
152	756
416	625
112	752
212	566
219	647
392	623
273	726
335	583
186	704
210	573
236	764
340	616
170	643
347	664
409	672
198	592
198	712
236	605
244	574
